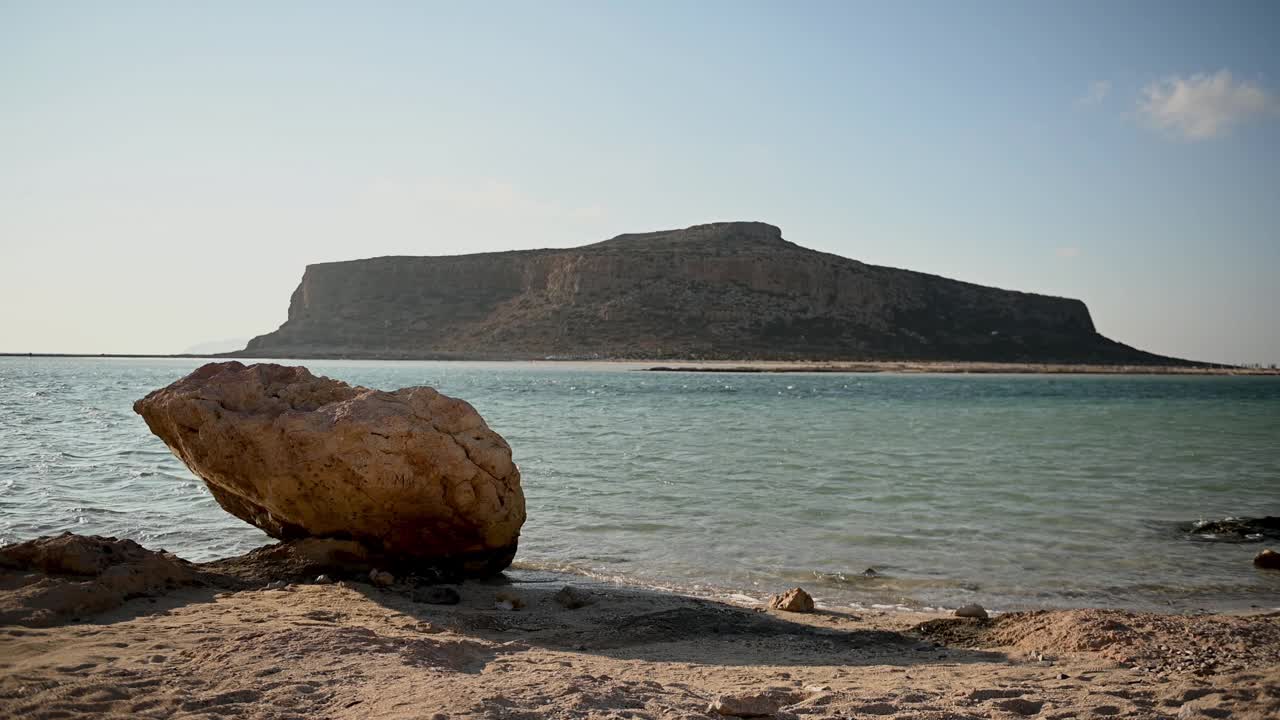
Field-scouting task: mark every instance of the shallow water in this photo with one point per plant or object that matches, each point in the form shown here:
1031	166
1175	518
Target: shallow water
1011	491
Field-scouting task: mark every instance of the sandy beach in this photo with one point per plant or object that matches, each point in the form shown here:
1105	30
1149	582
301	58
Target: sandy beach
227	640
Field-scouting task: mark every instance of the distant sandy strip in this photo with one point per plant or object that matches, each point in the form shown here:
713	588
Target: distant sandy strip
960	368
750	366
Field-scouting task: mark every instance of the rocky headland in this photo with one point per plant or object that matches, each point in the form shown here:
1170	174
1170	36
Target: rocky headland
733	290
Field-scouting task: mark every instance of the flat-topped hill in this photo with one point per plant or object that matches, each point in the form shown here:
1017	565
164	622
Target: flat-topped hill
734	290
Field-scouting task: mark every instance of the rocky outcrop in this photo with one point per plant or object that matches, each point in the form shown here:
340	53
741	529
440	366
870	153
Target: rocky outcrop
727	290
412	474
1237	529
54	579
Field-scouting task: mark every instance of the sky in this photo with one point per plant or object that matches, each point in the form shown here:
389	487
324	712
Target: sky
167	170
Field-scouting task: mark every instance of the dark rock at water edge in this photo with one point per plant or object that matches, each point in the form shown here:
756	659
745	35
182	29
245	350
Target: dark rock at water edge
1236	529
1267	560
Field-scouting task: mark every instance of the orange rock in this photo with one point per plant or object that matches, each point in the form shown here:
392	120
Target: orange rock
793	600
411	473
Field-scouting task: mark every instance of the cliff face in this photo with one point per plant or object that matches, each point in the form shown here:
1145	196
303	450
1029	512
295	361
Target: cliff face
726	290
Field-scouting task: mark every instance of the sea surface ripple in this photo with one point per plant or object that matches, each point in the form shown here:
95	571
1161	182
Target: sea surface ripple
1011	491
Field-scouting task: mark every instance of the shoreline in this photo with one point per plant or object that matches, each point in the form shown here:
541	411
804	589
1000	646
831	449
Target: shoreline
258	636
890	367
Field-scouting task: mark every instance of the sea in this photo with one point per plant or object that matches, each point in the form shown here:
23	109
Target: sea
907	491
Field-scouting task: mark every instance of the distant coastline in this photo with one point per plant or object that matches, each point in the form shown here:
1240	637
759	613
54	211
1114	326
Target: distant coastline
960	368
942	367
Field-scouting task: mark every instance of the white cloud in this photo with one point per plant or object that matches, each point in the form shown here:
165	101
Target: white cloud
1096	93
1203	106
1067	252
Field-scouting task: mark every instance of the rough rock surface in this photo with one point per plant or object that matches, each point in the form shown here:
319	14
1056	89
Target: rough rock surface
52	579
793	600
298	561
733	290
413	474
754	704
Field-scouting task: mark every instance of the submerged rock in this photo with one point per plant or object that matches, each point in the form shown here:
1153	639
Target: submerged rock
412	474
793	600
1267	560
1237	529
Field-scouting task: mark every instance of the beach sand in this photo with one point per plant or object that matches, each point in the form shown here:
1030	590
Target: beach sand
227	647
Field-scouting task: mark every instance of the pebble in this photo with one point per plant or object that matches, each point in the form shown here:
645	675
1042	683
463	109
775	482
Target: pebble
381	578
507	600
972	611
571	598
323	579
277	585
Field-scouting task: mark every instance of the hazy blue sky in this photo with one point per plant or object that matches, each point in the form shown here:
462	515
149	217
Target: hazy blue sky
168	169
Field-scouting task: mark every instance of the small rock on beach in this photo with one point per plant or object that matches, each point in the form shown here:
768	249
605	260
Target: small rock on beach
507	600
972	611
793	600
571	598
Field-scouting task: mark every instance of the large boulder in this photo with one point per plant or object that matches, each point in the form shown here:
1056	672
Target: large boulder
413	474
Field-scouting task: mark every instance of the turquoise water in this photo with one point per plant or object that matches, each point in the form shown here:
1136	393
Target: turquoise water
1011	491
